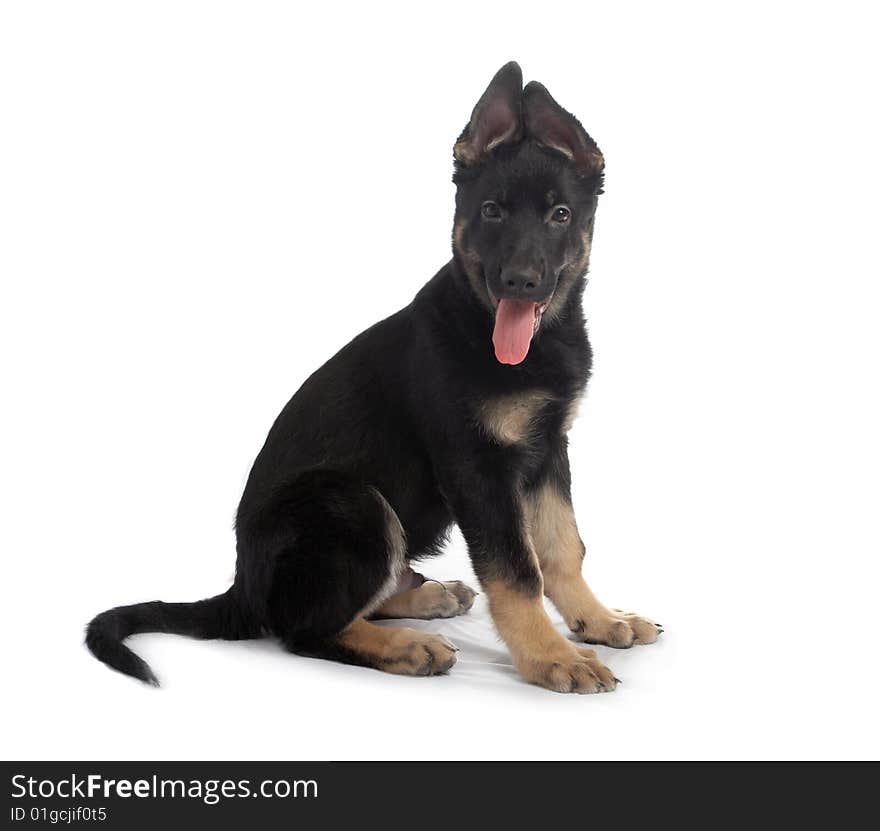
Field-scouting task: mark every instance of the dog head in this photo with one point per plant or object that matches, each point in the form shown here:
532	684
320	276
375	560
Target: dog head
528	178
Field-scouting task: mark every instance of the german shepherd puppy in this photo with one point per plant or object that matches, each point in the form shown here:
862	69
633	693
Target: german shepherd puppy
453	410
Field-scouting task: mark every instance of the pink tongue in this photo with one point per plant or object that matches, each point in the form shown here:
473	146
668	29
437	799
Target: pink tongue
514	326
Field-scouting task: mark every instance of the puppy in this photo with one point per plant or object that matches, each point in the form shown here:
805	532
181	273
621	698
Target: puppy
453	410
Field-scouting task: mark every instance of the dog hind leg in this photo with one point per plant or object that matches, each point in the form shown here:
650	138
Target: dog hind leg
340	553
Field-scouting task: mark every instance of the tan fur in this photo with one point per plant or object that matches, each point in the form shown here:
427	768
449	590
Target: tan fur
554	534
431	600
539	652
586	247
571	413
466	151
463	151
458	241
471	263
398	650
395	536
395	539
595	160
569	275
509	418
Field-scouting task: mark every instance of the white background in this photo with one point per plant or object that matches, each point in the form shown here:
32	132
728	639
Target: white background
201	202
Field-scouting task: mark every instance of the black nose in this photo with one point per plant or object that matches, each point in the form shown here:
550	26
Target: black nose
520	283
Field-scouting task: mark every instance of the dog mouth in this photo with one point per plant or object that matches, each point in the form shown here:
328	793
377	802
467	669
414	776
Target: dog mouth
516	323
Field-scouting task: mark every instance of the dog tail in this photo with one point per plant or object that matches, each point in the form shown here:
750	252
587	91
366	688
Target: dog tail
216	617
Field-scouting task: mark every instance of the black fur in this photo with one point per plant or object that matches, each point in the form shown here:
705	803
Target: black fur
395	414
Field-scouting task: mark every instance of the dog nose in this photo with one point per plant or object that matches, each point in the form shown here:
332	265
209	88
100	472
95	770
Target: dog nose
520	283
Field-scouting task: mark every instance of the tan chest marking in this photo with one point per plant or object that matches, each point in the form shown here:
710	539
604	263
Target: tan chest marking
509	419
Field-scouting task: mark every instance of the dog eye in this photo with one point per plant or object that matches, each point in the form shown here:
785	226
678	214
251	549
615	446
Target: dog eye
491	210
561	214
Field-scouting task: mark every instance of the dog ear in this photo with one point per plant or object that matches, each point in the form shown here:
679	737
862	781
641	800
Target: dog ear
548	124
496	119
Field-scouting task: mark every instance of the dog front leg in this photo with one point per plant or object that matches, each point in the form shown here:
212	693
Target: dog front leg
560	552
504	560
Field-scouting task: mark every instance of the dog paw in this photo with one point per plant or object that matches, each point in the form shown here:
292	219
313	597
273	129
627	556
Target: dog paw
463	594
576	670
411	652
618	629
446	599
